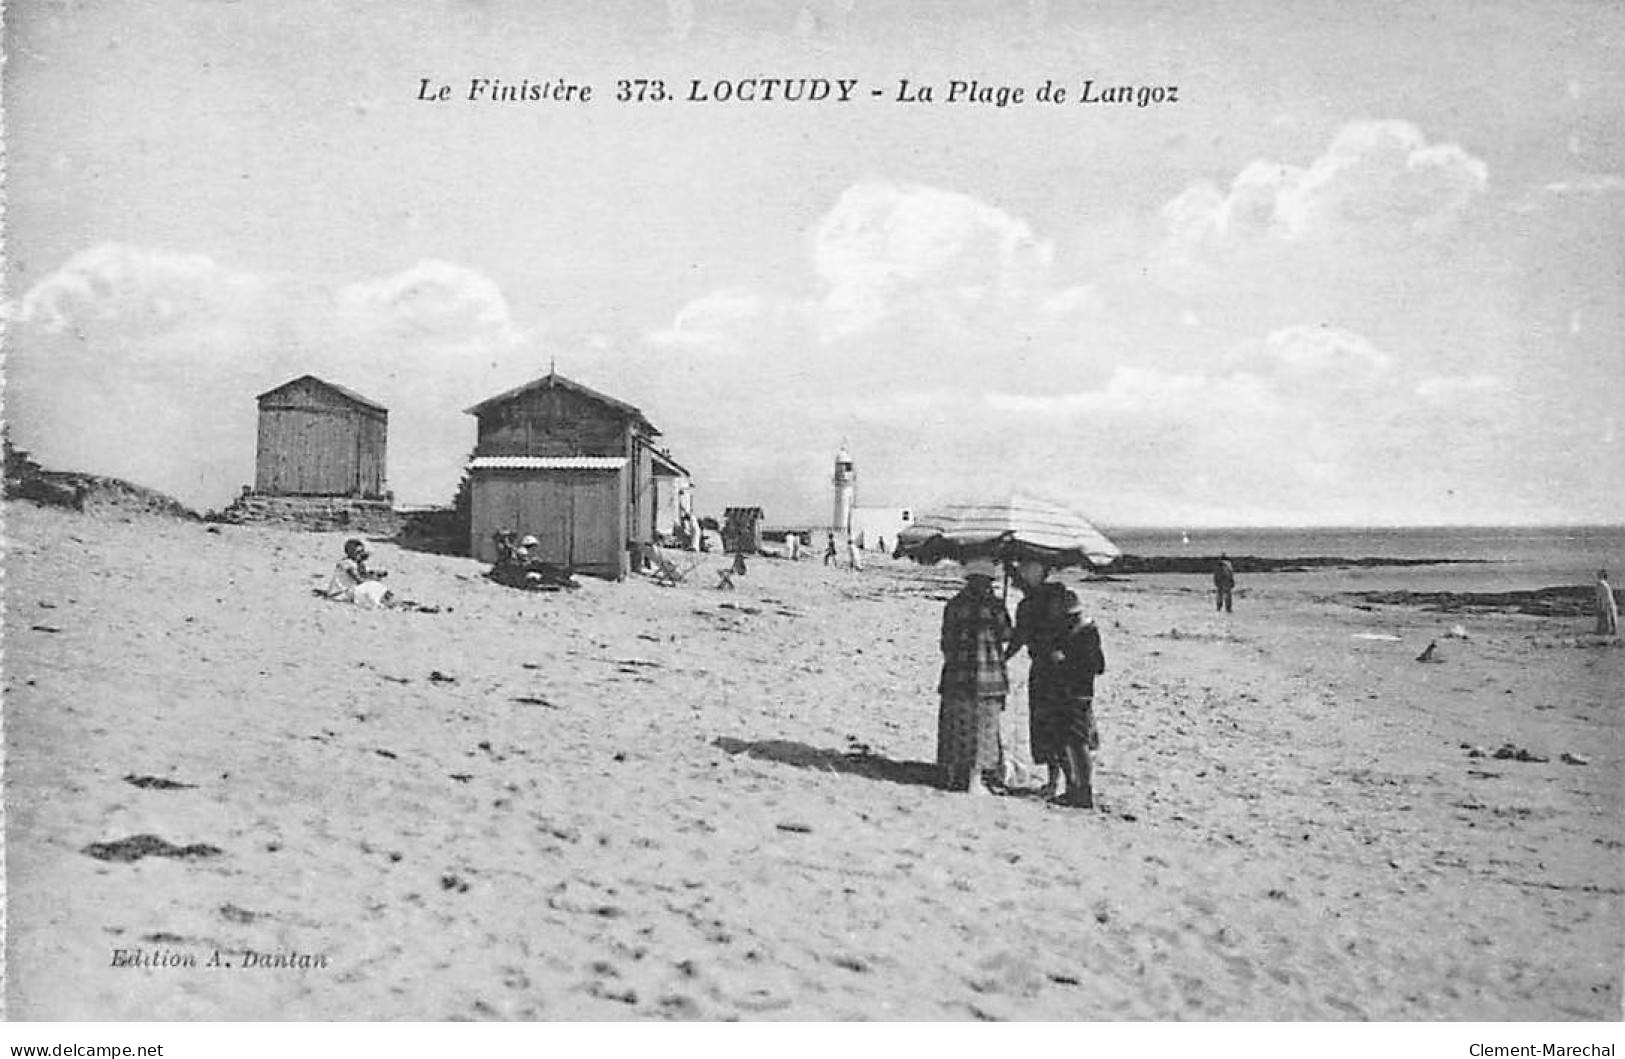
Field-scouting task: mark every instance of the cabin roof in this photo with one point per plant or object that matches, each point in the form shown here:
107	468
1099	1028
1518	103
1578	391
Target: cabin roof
547	463
344	392
667	467
554	380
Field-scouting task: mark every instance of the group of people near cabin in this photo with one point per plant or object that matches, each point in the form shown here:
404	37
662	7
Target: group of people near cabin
978	642
519	563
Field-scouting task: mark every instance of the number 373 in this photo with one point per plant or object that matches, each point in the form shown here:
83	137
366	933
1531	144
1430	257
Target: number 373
640	90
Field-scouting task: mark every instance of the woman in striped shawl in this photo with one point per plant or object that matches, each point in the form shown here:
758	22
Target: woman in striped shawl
975	632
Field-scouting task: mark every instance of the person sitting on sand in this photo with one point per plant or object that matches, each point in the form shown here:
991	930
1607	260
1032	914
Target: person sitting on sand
1040	621
1224	584
1079	659
354	582
975	630
1607	607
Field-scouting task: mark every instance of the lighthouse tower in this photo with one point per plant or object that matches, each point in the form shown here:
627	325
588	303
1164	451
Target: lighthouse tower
846	491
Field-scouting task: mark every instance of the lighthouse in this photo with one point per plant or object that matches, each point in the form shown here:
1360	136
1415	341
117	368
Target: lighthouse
846	490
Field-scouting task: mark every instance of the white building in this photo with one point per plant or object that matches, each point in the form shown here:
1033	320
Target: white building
876	528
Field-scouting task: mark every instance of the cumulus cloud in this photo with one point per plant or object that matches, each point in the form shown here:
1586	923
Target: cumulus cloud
143	363
1375	178
885	246
940	334
1300	425
430	298
717	321
137	287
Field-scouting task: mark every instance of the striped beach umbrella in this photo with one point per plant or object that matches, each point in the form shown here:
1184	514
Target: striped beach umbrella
1013	528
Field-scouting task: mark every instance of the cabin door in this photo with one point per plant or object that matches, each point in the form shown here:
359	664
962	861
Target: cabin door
595	537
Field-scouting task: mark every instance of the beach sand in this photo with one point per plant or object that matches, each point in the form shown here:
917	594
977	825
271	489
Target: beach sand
633	801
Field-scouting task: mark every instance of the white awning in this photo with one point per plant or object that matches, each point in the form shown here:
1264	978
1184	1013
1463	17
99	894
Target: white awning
547	463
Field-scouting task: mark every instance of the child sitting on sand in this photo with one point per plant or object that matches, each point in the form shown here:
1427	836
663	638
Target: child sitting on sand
353	582
1079	659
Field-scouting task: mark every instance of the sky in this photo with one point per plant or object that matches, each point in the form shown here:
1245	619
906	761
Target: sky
1367	268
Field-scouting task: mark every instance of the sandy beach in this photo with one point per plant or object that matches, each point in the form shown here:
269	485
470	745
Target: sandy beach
641	802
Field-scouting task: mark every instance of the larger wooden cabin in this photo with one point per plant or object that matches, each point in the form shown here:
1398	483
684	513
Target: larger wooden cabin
570	466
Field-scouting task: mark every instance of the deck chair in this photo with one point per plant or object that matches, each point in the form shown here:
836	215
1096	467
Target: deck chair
666	571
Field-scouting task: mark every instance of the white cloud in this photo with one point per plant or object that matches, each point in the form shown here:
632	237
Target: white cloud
432	297
1375	178
1318	359
715	322
143	363
884	245
137	286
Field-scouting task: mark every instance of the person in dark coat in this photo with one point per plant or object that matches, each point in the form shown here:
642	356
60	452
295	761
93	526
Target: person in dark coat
975	632
1224	584
1081	659
1040	620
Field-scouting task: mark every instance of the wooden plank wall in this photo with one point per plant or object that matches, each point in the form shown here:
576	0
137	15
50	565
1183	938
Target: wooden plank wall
551	422
313	442
576	515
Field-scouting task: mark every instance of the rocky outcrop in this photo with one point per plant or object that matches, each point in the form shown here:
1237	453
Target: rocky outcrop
1252	564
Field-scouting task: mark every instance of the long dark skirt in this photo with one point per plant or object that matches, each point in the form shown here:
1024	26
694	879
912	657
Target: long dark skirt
1046	717
968	733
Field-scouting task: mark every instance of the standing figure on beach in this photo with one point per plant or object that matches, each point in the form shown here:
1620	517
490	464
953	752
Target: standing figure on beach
1224	584
1040	622
1607	607
975	631
854	554
829	551
1081	659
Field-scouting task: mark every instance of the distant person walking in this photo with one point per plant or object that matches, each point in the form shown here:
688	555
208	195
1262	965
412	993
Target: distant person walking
975	631
1607	607
829	551
1224	585
1081	660
1040	621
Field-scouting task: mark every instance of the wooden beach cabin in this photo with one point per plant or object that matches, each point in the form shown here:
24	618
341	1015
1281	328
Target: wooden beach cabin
571	466
673	495
319	439
742	529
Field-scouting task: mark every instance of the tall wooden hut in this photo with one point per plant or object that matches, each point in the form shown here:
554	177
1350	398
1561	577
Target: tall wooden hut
319	439
742	529
570	466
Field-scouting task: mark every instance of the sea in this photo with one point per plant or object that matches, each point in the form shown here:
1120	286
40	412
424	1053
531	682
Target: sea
1506	558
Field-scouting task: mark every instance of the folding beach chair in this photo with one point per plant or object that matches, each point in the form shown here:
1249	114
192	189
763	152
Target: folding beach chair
666	571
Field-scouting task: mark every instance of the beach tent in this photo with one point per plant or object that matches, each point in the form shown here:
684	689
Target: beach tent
1011	528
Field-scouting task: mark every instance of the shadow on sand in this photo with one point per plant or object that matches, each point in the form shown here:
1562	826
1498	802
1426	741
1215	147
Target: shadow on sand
868	765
